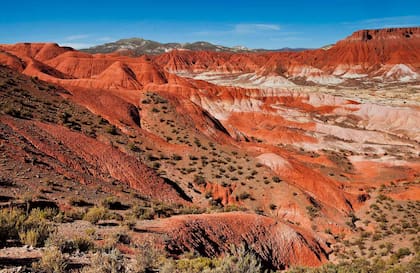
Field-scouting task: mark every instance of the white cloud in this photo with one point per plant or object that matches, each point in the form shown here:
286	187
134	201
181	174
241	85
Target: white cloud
288	39
80	41
76	37
250	28
241	29
104	39
250	35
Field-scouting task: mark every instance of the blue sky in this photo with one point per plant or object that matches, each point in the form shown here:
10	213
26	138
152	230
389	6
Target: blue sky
255	24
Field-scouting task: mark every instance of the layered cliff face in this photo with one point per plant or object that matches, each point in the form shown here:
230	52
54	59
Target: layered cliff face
365	57
380	54
385	35
258	131
387	55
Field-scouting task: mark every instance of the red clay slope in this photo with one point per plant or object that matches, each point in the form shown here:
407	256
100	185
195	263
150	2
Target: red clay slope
91	157
320	145
372	53
364	51
107	84
276	243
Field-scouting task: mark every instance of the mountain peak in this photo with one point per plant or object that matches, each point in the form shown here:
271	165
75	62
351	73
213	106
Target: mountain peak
140	46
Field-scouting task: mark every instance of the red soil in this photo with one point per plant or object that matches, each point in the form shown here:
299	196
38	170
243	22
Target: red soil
93	157
274	242
289	124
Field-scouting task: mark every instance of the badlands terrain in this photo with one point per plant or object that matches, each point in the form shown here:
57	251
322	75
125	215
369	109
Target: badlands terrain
212	161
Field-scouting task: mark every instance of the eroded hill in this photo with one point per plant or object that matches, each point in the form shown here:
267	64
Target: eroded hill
299	142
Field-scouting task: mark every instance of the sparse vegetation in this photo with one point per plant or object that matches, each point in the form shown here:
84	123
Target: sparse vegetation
199	180
386	235
387	218
106	262
312	211
112	129
361	266
52	261
239	260
176	157
6	182
95	214
276	179
244	196
31	229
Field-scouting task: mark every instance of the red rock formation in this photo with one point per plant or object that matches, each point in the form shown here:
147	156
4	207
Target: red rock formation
38	51
220	194
276	243
326	149
388	53
91	156
11	61
363	53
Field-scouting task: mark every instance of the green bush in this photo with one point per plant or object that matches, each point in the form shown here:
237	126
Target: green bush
95	214
199	180
176	157
30	237
32	229
148	258
19	113
36	229
362	266
112	130
81	244
312	211
402	252
196	265
276	179
240	260
11	220
102	262
244	195
133	147
52	261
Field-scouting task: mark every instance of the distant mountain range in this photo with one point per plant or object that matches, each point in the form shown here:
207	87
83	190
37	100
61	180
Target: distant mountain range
139	46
